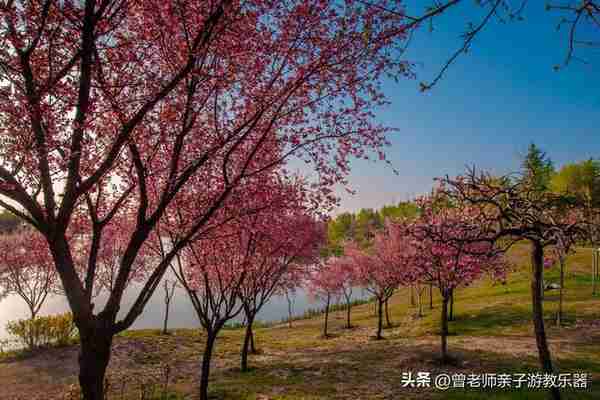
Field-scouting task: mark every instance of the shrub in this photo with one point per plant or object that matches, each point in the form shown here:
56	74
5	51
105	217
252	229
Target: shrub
63	329
43	331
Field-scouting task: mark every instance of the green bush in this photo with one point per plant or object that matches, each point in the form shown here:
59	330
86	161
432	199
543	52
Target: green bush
49	330
63	329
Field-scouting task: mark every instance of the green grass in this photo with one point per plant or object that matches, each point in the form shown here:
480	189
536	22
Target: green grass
515	395
492	332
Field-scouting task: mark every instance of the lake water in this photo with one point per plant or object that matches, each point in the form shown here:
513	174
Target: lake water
181	312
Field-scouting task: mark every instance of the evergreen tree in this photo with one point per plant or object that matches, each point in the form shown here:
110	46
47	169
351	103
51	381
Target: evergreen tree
537	168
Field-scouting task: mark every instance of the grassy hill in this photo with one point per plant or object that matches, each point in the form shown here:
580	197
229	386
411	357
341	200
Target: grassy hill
492	333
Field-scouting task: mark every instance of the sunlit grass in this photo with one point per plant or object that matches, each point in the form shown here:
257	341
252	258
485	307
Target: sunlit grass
492	332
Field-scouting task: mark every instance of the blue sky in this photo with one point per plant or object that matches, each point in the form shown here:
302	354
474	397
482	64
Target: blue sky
491	104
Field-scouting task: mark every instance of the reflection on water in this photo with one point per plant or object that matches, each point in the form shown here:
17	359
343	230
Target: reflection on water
181	313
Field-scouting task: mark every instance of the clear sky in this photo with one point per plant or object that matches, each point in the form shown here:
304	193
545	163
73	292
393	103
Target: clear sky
492	103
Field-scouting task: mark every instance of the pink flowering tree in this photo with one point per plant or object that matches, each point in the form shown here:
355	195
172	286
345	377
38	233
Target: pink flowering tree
451	250
27	269
212	271
512	211
107	104
323	284
108	251
295	278
380	269
169	287
285	244
234	263
344	268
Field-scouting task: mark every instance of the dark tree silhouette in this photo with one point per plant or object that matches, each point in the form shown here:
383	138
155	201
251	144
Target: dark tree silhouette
513	212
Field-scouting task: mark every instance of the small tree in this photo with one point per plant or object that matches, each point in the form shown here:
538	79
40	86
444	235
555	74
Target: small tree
559	253
323	284
420	290
582	180
515	211
286	244
289	284
169	288
216	264
211	271
537	169
451	250
380	269
347	278
27	270
289	294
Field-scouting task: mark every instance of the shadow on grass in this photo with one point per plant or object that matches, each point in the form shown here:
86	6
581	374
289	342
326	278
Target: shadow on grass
515	394
489	319
373	370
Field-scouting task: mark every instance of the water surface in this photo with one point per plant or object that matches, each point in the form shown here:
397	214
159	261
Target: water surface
181	313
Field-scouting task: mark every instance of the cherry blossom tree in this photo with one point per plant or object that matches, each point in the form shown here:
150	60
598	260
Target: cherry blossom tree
451	251
211	271
289	284
344	268
108	252
511	211
381	269
106	104
254	236
27	269
324	285
169	288
291	243
289	293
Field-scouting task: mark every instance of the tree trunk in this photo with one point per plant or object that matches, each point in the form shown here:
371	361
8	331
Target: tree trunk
537	268
379	320
31	332
94	356
252	344
246	345
420	302
559	317
348	309
165	323
594	269
326	316
289	301
444	331
208	349
541	282
451	312
387	315
431	296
